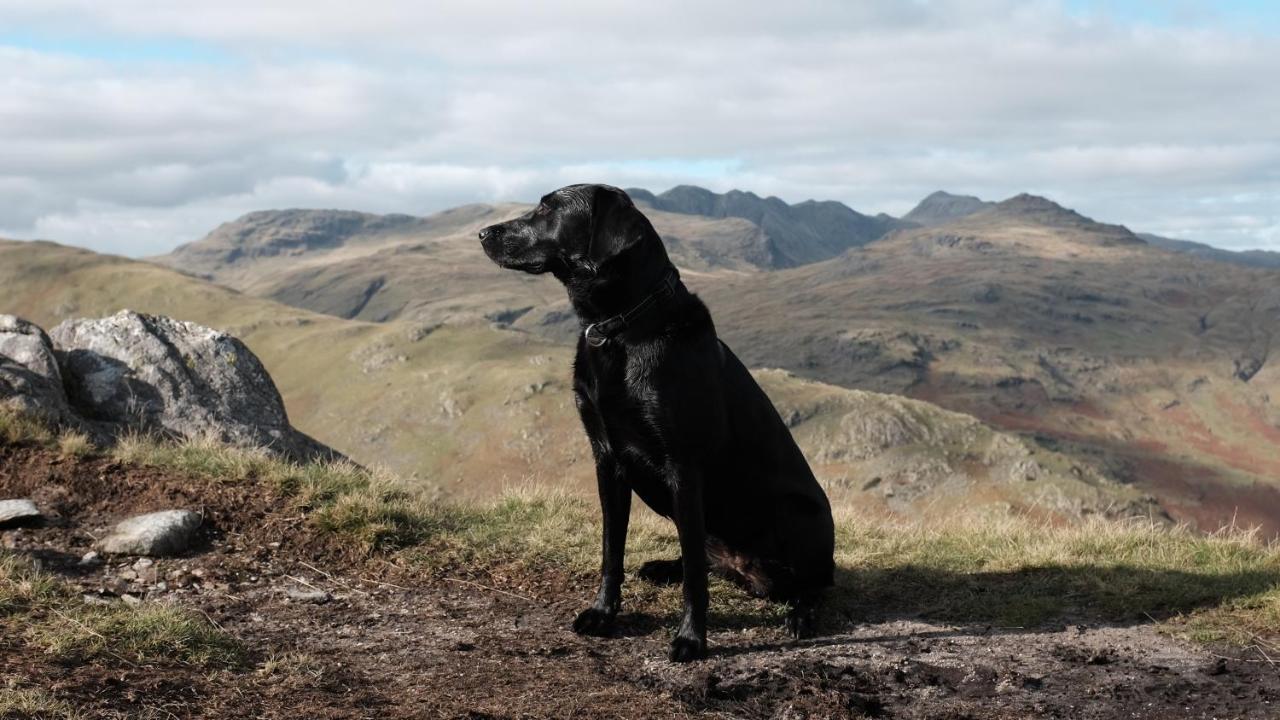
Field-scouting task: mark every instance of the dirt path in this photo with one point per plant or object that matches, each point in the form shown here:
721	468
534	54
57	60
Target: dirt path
329	639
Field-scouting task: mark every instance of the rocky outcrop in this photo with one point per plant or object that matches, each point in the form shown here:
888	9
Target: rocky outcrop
134	372
178	378
30	380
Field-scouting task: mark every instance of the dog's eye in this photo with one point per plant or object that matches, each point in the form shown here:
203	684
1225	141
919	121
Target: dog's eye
542	210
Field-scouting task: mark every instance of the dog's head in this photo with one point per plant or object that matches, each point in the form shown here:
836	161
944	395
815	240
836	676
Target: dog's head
578	228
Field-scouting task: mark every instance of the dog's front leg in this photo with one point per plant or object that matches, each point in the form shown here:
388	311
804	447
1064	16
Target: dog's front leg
615	506
690	642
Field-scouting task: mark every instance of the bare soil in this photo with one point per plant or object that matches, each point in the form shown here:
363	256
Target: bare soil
389	642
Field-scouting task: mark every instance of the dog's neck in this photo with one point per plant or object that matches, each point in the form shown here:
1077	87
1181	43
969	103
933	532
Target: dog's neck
623	284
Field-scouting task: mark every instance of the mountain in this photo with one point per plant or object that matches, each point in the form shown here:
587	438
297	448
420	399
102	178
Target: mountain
385	267
1248	258
798	234
1038	320
1156	367
468	409
943	207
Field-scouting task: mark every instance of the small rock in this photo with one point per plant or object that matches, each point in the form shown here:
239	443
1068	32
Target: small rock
90	558
91	599
132	600
167	532
18	511
318	597
145	568
115	586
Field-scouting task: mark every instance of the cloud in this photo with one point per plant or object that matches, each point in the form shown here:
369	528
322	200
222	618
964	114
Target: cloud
413	107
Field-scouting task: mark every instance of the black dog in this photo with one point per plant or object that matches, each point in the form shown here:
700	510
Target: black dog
673	415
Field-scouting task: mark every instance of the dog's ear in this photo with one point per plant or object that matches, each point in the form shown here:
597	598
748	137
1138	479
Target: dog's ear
616	224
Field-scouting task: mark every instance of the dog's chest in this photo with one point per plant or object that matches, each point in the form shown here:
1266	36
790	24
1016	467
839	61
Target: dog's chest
617	404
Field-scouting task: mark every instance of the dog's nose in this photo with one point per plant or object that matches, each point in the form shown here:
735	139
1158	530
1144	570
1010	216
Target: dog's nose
486	233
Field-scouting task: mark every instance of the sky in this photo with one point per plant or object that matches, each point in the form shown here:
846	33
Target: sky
132	126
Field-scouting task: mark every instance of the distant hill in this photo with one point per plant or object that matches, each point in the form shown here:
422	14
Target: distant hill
810	231
943	207
1248	258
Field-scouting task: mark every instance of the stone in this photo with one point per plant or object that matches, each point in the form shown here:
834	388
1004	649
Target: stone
152	373
319	597
18	511
30	379
167	532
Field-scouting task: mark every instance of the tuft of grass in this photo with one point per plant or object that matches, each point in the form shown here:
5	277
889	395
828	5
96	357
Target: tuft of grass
75	444
16	702
147	633
23	588
18	428
292	666
46	615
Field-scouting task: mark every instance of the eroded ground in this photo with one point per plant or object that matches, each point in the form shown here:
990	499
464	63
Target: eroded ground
332	635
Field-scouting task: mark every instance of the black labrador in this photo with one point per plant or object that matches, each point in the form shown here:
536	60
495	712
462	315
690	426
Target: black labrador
673	415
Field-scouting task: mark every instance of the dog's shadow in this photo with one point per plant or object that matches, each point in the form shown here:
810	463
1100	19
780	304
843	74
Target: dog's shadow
1033	599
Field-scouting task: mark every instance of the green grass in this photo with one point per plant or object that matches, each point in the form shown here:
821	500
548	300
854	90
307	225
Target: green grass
1008	572
45	615
17	427
18	702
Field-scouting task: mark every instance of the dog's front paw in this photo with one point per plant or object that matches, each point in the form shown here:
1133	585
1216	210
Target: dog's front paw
594	621
685	648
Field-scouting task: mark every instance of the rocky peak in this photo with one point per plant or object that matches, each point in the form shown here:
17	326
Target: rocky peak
1038	210
942	207
798	234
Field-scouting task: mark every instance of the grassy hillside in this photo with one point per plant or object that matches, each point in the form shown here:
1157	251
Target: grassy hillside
470	410
423	270
1009	569
1156	366
1159	365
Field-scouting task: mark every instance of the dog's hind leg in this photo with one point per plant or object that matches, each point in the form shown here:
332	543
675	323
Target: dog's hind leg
802	613
662	572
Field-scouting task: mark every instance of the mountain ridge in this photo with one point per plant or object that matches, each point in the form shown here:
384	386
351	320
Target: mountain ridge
798	234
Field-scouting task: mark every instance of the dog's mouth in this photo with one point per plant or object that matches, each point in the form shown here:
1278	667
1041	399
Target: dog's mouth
510	262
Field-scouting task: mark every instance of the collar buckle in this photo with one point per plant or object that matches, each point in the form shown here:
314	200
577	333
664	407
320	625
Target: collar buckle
598	334
598	340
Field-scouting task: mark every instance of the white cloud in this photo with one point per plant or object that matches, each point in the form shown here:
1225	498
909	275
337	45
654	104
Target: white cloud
412	107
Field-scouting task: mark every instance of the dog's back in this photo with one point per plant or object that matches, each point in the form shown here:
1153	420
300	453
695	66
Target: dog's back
761	496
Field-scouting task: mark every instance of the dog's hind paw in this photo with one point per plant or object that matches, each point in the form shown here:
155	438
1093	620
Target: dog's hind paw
685	649
661	572
802	622
594	621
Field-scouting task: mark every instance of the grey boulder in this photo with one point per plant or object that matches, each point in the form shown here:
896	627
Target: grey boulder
167	532
132	370
30	380
17	511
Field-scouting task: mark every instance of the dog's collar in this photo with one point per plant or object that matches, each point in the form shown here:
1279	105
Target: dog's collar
598	333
